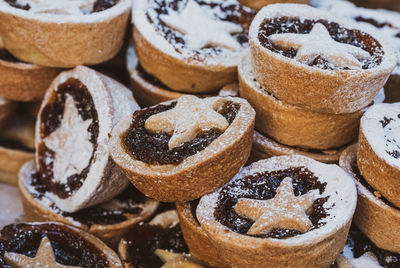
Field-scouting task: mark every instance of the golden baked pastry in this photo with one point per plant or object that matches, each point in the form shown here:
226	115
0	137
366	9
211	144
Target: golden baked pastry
286	211
258	4
64	33
53	245
375	216
300	62
191	46
10	205
183	149
108	221
22	81
378	154
7	108
78	112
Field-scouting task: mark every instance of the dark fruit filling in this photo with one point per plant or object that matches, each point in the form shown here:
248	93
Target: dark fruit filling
337	32
51	118
14	3
358	244
68	246
144	239
232	12
263	186
7	56
152	148
149	78
99	5
130	198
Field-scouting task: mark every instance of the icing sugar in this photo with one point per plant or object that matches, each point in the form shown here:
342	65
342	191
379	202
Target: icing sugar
381	127
71	137
367	260
70	7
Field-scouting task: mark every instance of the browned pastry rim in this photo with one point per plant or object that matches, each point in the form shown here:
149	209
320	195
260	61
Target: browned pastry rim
311	87
258	4
198	174
378	221
51	39
292	125
197	240
20	81
109	233
265	147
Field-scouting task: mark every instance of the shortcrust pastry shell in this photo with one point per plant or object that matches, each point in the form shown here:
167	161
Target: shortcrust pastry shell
258	4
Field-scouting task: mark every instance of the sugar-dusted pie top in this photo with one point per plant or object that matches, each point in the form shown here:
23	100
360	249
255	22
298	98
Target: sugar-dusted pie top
195	30
381	127
325	194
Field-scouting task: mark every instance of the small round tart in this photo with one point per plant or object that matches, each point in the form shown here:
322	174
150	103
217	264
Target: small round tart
64	33
158	243
21	81
378	155
53	245
7	108
72	133
293	125
258	4
265	147
147	89
17	146
360	252
182	149
108	221
376	217
191	46
286	211
307	57
197	240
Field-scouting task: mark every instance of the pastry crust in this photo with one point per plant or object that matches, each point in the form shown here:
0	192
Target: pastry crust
171	68
25	81
104	179
378	168
64	40
197	174
265	147
306	250
109	233
7	108
197	240
292	125
310	87
392	88
378	221
258	4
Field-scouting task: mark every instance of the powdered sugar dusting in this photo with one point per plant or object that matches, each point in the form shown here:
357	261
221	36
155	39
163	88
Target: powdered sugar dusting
71	7
381	127
367	260
340	192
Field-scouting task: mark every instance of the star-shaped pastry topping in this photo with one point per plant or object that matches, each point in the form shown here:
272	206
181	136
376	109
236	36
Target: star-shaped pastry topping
44	258
176	260
190	116
70	143
367	260
319	43
201	29
284	211
69	7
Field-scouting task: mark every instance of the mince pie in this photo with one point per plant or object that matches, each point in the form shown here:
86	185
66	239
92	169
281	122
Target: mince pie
61	33
286	211
307	57
158	243
294	125
72	134
191	46
108	221
182	149
53	245
197	240
258	4
22	81
360	252
378	155
375	216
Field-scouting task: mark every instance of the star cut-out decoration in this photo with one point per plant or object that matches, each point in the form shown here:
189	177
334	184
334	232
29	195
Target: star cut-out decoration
201	29
176	260
367	260
63	7
44	258
320	43
190	116
70	143
285	210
